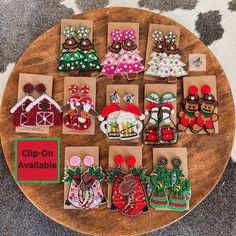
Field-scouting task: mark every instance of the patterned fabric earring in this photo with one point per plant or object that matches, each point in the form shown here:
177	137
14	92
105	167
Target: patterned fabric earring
43	111
20	116
180	191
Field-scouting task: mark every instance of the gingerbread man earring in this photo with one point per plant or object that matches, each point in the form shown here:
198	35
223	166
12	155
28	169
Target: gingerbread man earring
206	116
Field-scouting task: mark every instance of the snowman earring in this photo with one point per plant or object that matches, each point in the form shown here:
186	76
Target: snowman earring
20	116
109	116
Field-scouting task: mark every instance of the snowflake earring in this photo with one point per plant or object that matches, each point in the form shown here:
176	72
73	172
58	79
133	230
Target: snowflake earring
171	66
20	116
157	53
129	118
111	58
43	111
191	105
109	116
206	115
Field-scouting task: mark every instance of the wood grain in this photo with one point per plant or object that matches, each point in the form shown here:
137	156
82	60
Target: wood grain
206	154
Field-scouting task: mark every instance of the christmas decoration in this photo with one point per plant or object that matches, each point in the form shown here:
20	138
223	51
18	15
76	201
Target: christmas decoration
84	191
20	116
78	56
187	116
160	129
205	117
171	66
157	53
111	58
180	191
111	113
129	125
128	195
79	108
43	111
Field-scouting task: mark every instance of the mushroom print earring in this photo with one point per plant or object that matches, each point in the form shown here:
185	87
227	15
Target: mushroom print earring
20	116
129	61
79	109
43	111
171	65
157	53
187	116
111	113
111	58
206	115
129	118
180	191
160	181
150	131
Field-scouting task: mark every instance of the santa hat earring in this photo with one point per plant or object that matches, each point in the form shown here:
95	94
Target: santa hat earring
113	107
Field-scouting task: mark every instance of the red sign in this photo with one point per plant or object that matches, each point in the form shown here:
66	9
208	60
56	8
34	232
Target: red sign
37	160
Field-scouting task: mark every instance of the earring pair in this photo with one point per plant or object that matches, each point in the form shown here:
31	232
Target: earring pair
130	160
176	162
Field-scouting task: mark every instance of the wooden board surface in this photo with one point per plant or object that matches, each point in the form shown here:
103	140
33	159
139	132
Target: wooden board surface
206	154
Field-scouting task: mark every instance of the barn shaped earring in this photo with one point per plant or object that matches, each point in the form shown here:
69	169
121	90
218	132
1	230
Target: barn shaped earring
43	111
20	116
206	115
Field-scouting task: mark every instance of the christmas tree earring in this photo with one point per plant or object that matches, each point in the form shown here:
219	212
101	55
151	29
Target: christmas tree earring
167	131
111	58
20	116
73	178
79	109
187	116
89	61
171	66
206	115
157	53
160	181
129	126
109	116
91	192
150	131
71	56
43	111
180	191
129	61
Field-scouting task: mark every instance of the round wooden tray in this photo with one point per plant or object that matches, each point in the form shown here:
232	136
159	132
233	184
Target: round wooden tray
207	155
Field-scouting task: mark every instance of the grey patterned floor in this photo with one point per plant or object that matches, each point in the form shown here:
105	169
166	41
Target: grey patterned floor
215	216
